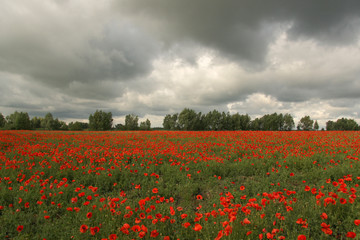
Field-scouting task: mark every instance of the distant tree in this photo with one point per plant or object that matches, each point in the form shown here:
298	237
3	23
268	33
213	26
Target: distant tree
187	119
305	123
145	126
100	121
171	122
330	125
226	121
272	122
256	124
18	121
2	121
213	120
57	124
35	123
289	123
245	121
316	125
76	126
131	122
47	122
200	123
345	124
63	126
119	127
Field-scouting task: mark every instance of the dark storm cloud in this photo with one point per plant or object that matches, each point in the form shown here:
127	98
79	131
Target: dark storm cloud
64	51
159	56
244	29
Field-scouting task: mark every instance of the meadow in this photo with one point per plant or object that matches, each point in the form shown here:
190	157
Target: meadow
179	185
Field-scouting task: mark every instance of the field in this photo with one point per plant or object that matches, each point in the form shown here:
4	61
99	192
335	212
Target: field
179	185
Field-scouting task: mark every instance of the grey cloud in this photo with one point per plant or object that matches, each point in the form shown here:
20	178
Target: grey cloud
242	30
145	56
64	51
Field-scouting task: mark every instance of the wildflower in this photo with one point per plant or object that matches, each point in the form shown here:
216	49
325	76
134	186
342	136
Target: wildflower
197	227
83	228
20	228
351	235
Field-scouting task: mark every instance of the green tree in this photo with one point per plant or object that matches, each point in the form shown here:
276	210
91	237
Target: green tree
100	121
18	121
188	119
171	122
145	126
213	120
75	126
2	121
35	123
272	122
48	122
226	121
305	123
119	127
131	122
330	125
345	124
289	123
256	124
316	125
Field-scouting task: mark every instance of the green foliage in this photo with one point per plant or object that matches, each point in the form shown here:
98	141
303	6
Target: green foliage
2	121
316	125
289	123
342	124
145	126
78	126
241	122
188	119
170	122
36	123
305	123
131	122
18	121
100	121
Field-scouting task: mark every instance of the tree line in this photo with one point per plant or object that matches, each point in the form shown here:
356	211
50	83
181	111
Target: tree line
98	121
190	120
187	119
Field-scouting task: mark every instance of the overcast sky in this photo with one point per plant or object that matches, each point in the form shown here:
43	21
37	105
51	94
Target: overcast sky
154	57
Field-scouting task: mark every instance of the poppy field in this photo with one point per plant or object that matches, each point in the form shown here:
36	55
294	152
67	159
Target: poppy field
179	185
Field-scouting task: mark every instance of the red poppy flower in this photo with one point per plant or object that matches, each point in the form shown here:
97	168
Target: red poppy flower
351	235
301	237
154	233
94	230
20	228
155	190
89	215
83	228
197	227
112	237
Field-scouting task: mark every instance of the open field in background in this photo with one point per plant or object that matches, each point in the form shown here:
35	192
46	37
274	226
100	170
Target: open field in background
179	185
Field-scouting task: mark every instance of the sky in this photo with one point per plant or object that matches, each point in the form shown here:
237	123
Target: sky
156	57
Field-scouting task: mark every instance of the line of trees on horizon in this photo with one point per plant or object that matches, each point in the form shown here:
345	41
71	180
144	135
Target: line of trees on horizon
187	120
